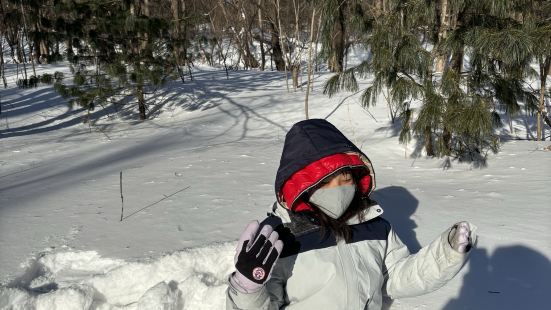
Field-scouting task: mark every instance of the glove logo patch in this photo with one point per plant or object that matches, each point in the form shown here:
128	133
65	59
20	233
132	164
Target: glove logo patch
259	273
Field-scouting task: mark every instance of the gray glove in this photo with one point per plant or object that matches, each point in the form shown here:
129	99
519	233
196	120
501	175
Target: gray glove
255	257
460	238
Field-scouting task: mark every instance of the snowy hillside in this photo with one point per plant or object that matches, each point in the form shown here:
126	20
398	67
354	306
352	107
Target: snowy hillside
204	166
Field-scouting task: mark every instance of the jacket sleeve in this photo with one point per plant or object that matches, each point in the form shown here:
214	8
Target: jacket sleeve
408	275
271	297
237	300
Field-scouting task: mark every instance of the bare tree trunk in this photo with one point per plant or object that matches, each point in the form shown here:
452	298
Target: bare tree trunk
336	55
545	66
260	25
12	37
69	48
242	43
145	38
248	38
175	8
442	35
27	34
282	36
137	50
19	50
23	57
457	60
44	51
206	54
310	67
2	72
248	57
183	37
296	62
392	112
36	47
540	112
428	141
221	54
317	41
141	101
12	52
295	71
447	138
277	54
43	46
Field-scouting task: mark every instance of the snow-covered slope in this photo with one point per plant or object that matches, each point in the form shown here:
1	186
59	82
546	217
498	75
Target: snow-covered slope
203	167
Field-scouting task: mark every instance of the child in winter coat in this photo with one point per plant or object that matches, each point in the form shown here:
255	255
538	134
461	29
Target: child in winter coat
325	244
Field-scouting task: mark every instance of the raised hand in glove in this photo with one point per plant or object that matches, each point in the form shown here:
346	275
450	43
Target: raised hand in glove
255	257
460	237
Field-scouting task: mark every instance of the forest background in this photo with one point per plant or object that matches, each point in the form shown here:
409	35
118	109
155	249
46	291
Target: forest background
451	71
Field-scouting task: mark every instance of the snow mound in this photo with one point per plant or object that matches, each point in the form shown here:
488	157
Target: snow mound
189	279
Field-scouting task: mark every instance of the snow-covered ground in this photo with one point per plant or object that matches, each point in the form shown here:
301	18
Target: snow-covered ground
204	166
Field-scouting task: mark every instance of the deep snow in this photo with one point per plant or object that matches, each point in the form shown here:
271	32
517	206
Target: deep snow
214	145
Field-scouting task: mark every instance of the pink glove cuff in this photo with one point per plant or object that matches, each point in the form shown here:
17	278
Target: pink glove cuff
244	285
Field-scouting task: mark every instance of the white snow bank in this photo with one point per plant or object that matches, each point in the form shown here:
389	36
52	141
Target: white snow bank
189	279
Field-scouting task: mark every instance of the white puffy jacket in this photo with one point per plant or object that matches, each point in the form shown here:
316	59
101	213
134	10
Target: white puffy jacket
320	273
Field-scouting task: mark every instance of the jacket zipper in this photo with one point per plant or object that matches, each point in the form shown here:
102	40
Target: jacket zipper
354	274
343	266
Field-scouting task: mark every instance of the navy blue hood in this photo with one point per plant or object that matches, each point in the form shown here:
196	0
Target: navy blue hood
308	141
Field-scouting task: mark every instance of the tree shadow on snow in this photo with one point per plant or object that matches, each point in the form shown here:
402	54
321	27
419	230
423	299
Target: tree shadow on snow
208	90
513	277
392	128
474	159
31	103
69	117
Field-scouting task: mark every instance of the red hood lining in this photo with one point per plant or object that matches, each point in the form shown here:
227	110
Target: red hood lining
311	175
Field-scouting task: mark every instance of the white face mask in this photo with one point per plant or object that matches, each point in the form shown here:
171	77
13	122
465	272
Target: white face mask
335	200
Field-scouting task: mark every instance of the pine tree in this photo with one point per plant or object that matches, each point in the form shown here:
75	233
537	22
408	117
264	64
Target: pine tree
462	60
342	19
121	51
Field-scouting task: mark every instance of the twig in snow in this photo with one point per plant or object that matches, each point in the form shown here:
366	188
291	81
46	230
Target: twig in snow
122	198
156	202
342	102
103	132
